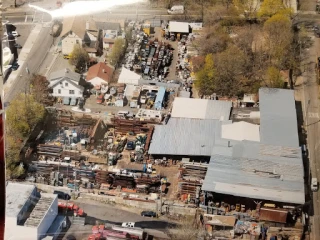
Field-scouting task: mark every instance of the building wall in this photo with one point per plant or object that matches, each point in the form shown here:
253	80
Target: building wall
65	90
48	218
68	43
23	214
97	81
16	232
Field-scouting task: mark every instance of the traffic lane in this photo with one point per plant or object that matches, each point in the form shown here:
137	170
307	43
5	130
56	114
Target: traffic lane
35	58
24	31
111	214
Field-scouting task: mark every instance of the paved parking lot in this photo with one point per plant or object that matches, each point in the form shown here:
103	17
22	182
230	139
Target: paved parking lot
106	213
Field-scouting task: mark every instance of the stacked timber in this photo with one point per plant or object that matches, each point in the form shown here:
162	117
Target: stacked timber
189	188
49	150
103	177
123	126
73	154
193	171
85	120
123	181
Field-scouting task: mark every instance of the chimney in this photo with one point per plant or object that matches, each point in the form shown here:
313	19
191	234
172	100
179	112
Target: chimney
87	25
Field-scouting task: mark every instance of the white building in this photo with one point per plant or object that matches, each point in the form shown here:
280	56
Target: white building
65	83
29	215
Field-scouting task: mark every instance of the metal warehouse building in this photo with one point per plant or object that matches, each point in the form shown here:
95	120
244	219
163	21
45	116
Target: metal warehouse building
246	160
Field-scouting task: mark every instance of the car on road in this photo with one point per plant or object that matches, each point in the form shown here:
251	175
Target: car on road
62	195
17	45
148	214
128	224
314	184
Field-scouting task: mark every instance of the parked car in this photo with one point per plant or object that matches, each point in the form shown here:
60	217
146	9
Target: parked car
148	214
100	99
128	224
62	195
73	102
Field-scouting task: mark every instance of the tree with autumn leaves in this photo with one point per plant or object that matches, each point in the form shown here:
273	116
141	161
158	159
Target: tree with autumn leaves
22	115
254	56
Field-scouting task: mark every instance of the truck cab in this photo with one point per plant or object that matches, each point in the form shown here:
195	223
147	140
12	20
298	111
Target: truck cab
314	184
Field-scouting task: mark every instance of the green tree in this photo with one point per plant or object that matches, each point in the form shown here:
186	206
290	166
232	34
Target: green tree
117	52
79	58
12	155
205	77
23	113
271	7
279	38
274	78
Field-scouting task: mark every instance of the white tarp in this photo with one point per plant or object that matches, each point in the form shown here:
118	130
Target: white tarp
128	77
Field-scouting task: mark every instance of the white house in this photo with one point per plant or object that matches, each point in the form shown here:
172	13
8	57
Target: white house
65	83
80	30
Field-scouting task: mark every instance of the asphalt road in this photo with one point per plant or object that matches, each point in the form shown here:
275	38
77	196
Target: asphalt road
113	215
311	115
35	58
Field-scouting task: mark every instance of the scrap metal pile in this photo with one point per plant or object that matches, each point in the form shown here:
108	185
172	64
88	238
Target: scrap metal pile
190	180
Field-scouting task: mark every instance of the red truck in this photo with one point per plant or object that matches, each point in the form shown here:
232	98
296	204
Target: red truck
70	206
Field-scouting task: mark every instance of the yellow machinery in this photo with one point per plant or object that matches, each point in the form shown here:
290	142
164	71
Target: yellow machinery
146	28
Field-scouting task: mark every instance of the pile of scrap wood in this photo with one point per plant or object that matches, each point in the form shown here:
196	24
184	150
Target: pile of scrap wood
103	177
73	154
49	150
123	126
123	181
193	171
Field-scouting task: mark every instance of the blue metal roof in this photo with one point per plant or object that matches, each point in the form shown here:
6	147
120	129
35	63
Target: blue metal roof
159	98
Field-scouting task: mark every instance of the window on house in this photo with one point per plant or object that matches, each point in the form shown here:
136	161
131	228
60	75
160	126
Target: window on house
66	84
59	91
71	91
77	41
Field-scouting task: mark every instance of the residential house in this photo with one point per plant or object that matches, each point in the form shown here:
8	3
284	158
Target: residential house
83	31
65	83
100	74
110	32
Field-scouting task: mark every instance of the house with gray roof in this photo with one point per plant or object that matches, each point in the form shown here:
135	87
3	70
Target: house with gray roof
83	31
65	83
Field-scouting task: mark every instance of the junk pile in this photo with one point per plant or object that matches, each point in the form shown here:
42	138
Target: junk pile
191	176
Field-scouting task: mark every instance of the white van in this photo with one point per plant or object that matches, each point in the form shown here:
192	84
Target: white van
177	9
314	184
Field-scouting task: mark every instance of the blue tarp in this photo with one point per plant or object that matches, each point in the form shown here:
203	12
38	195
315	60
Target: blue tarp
159	99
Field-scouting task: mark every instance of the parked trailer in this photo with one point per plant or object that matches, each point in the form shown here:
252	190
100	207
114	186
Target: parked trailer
138	232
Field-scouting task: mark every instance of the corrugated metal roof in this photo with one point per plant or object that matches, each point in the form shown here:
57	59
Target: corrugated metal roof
201	108
159	99
182	136
278	117
250	172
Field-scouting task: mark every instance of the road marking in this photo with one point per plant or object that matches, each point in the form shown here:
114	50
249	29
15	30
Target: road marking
313	115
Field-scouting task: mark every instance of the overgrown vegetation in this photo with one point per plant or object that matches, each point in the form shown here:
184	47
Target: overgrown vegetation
79	58
22	115
117	51
244	47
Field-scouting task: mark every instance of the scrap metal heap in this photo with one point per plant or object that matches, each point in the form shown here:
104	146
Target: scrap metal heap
191	176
